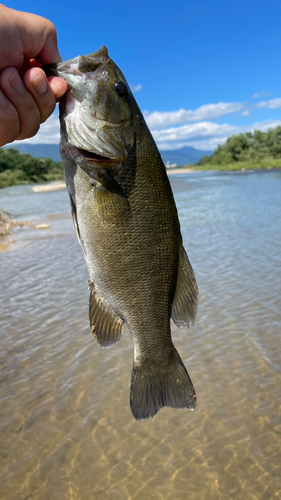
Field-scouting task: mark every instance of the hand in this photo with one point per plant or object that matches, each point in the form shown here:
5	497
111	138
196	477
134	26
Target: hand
27	97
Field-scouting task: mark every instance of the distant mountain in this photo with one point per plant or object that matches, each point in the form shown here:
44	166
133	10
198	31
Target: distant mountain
184	155
181	156
39	150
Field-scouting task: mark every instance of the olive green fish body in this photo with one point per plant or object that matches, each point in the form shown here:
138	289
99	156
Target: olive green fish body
127	225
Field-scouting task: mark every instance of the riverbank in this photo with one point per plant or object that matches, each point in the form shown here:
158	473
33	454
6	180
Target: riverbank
268	164
21	168
239	166
52	186
182	170
59	184
232	167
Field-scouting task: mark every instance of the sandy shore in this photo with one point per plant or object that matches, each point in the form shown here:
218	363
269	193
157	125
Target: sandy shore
181	171
52	186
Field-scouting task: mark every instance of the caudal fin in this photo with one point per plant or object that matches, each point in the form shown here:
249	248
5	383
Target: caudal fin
153	387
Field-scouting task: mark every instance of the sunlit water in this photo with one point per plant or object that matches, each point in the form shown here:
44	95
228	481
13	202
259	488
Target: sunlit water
67	432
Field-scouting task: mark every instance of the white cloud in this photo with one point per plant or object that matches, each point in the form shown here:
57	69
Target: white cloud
271	104
136	88
206	132
205	135
245	113
164	119
49	133
261	94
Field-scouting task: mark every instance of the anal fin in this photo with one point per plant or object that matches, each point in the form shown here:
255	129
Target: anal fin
107	328
185	301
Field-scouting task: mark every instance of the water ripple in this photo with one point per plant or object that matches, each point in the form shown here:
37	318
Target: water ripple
66	430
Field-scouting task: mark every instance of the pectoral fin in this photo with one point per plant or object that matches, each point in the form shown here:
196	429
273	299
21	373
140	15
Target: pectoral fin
112	204
107	328
185	301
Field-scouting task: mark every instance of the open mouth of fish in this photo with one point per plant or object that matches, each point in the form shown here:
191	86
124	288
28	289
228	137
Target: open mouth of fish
94	157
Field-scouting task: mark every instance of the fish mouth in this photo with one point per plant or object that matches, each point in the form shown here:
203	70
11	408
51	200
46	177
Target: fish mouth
96	158
90	157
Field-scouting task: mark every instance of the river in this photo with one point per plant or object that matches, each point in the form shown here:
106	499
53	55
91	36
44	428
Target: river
66	430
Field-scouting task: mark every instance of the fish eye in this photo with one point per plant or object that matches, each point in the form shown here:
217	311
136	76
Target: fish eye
120	88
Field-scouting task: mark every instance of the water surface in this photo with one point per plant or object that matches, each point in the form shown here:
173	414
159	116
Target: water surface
66	430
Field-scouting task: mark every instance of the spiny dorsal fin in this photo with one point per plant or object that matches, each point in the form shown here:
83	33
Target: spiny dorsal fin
106	327
185	301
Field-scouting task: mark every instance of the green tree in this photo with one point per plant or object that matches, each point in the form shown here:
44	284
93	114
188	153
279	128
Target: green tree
21	168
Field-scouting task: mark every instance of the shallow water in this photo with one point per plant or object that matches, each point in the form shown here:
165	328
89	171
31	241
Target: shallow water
66	430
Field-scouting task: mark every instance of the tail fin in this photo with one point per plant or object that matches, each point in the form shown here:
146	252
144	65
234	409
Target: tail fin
157	386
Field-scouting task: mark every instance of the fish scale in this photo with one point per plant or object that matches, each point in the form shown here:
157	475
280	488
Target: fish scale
127	224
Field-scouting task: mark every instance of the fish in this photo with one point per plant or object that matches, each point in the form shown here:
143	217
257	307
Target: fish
127	224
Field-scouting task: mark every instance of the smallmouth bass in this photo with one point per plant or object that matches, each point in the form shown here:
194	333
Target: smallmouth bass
127	225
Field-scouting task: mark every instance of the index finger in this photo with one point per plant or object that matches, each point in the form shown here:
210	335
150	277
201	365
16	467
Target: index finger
26	36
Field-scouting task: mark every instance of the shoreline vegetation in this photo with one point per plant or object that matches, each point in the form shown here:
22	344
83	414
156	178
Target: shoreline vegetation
268	164
245	152
21	168
250	151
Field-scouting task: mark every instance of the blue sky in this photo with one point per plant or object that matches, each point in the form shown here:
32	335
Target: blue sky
201	70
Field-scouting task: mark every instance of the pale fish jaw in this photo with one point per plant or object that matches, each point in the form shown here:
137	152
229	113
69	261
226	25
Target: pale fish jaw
84	130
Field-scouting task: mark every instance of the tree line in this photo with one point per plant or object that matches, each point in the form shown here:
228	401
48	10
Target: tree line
22	168
252	146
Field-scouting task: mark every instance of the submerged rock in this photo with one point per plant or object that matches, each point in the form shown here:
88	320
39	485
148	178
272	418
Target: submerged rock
5	223
42	226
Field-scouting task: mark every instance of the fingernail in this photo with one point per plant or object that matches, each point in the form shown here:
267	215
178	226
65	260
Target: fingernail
16	83
39	84
3	99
